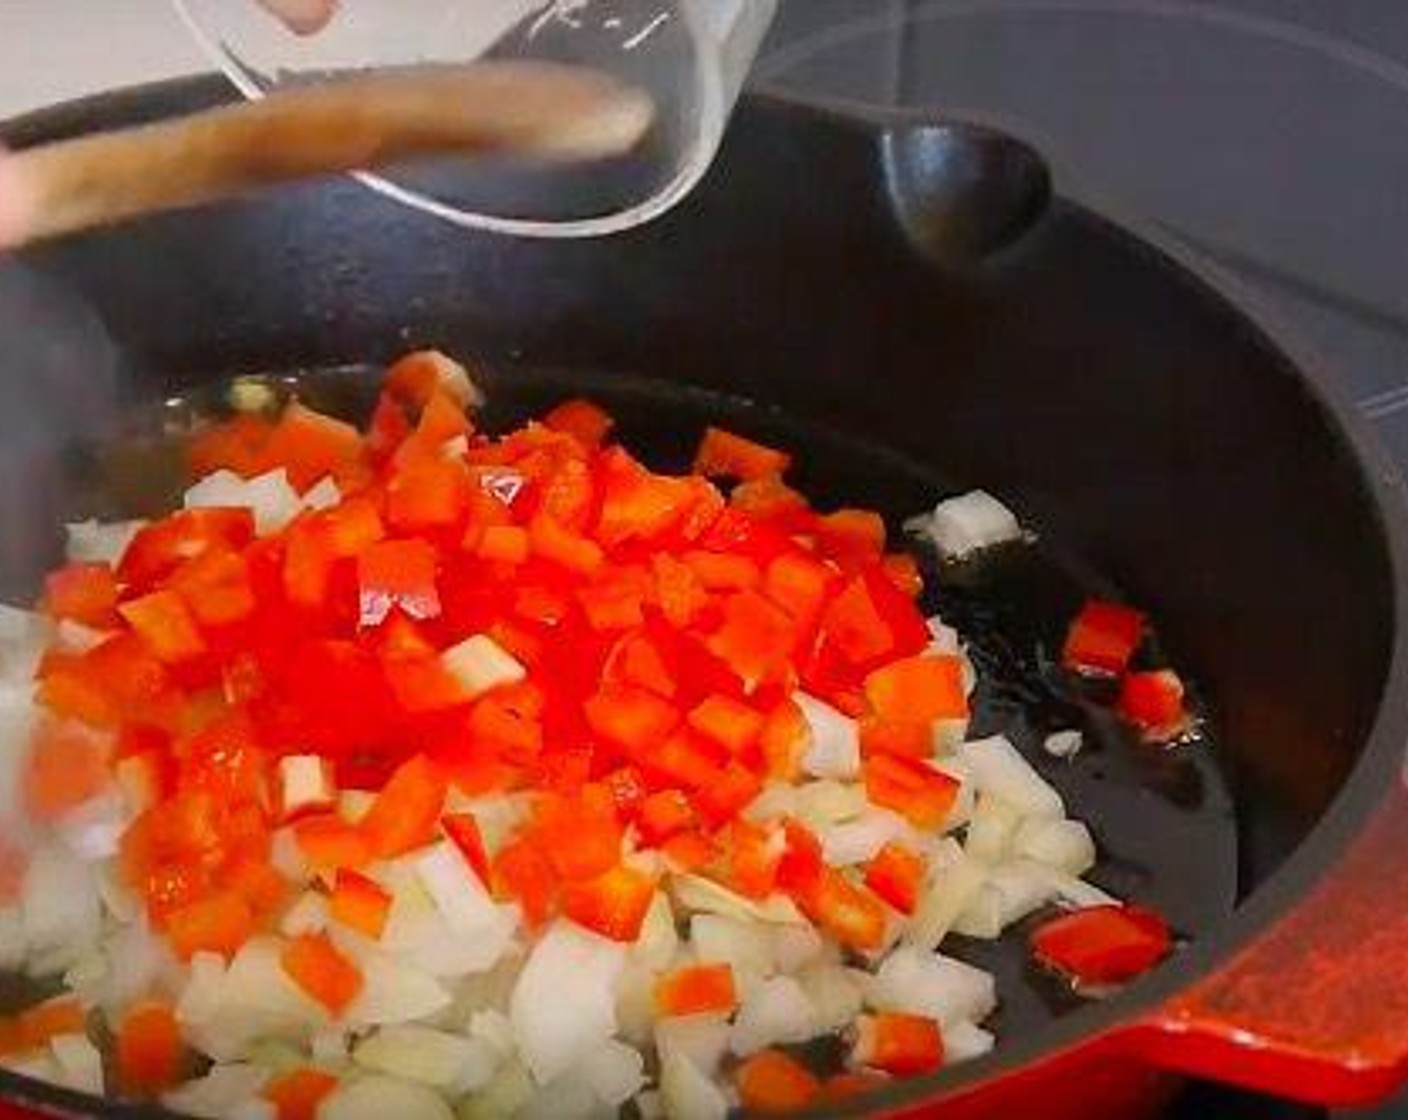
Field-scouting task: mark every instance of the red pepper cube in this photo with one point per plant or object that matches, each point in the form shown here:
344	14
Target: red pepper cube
311	446
505	544
428	494
663	814
525	874
631	718
85	593
919	689
163	622
320	969
898	1044
397	575
635	503
770	1082
587	422
217	587
910	788
162	546
753	857
1153	702
463	831
359	903
697	990
896	875
218	924
851	536
729	722
554	542
756	639
636	661
613	904
406	811
296	1095
1102	639
799	584
1103	944
722	453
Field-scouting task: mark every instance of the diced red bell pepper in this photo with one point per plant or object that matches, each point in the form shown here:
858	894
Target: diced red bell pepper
753	856
67	765
328	842
613	904
148	1051
239	444
635	503
524	874
783	741
686	759
35	1026
697	990
898	737
723	571
799	584
580	835
663	814
504	544
1103	638
631	718
851	536
800	865
220	924
163	622
678	591
851	914
615	599
1103	944
554	542
422	684
768	498
689	851
258	883
918	689
899	1044
296	1095
896	874
918	792
1153	702
388	429
587	422
359	903
85	593
406	811
628	791
463	831
225	760
318	967
441	420
312	446
501	721
429	494
116	681
720	800
902	570
729	722
772	1082
636	661
161	547
217	587
756	639
397	575
724	453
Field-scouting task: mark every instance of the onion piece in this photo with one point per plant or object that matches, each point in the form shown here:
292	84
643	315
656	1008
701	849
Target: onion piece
982	916
323	494
696	894
747	947
933	985
61	908
1063	844
999	768
948	895
79	1062
822	804
378	1097
563	1006
702	1039
218	1092
479	664
449	1062
99	542
469	910
857	841
269	496
686	1091
776	1011
835	994
970	523
1023	887
834	750
964	1041
1063	744
991	829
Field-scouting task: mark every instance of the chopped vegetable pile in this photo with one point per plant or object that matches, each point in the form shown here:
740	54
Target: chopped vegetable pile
412	770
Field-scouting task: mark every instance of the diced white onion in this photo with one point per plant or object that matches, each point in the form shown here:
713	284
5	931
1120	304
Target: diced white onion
563	1006
394	992
62	908
794	946
1063	744
965	1041
218	1092
999	768
305	783
465	903
970	523
1023	887
834	748
822	804
696	894
270	497
834	994
991	829
703	1039
932	984
378	1097
746	946
479	664
91	831
982	916
947	896
79	1062
857	841
777	1011
1063	844
658	941
323	494
687	1092
99	542
449	1062
309	914
615	1073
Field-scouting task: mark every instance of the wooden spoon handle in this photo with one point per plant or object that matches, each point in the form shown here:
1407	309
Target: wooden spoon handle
534	110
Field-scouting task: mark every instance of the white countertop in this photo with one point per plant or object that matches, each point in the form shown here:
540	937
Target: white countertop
52	50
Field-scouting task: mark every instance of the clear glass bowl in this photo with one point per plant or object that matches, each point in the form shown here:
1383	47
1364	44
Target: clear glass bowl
690	55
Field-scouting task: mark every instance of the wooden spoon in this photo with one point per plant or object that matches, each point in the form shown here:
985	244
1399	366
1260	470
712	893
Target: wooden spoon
535	110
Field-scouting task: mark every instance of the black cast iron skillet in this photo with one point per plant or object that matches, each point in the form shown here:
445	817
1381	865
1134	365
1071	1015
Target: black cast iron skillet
1156	438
